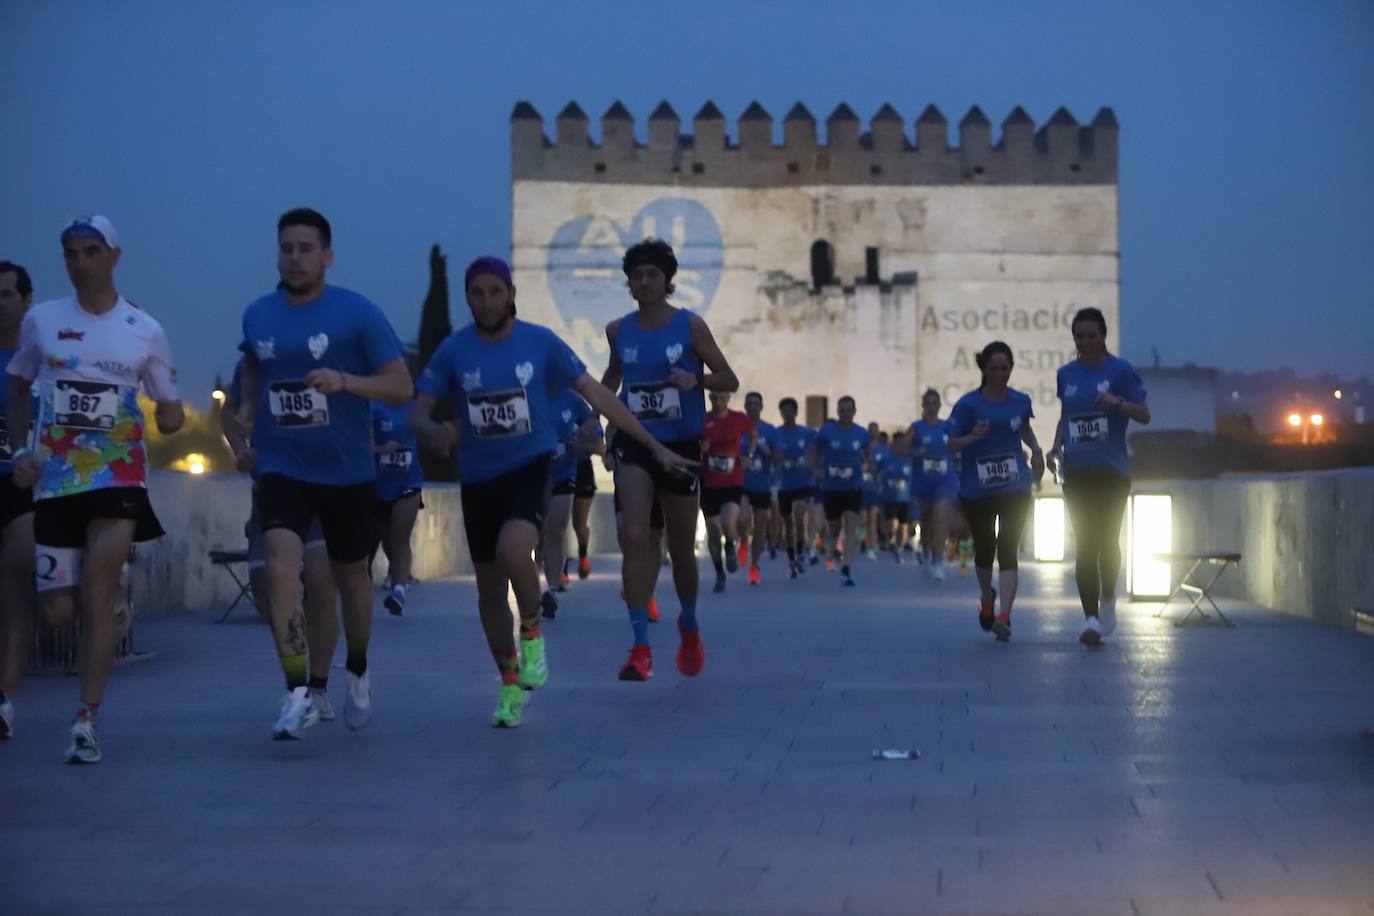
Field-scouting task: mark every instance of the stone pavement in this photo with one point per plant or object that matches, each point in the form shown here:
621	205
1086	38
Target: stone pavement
1196	770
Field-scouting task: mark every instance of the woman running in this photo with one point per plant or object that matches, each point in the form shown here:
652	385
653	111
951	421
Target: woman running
988	427
936	485
1100	395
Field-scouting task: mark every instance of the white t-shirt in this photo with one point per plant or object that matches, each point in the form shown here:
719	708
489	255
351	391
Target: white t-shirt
88	369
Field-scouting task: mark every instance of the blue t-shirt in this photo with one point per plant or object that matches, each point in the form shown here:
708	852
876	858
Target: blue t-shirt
842	452
789	455
398	469
934	439
6	449
758	471
896	479
569	413
503	392
878	456
1095	438
996	463
298	432
668	413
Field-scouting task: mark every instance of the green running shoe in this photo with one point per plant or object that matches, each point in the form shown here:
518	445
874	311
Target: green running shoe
534	668
507	714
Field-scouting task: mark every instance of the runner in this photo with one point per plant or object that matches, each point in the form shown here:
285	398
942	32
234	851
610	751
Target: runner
315	356
1100	395
16	513
660	355
936	484
655	537
987	427
837	457
321	595
896	487
797	485
584	493
399	482
88	354
758	481
870	524
501	371
722	486
574	429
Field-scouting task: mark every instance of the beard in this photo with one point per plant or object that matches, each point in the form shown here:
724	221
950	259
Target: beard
498	325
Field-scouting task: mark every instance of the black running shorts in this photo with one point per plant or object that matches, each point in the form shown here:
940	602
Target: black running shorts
62	521
345	513
487	506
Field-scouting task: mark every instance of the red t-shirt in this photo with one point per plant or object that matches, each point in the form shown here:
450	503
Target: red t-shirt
720	449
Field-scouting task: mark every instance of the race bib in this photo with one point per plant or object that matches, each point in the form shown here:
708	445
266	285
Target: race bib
901	485
840	471
85	405
6	452
721	464
495	414
935	466
295	405
791	464
1088	428
398	460
997	470
654	401
756	463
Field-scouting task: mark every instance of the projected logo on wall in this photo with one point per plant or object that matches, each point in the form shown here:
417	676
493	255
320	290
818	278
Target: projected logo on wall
585	257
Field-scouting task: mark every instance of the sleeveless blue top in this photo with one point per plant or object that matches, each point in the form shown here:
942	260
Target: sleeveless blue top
668	413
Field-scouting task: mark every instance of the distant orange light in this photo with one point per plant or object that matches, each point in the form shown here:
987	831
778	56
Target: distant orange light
1316	419
1294	420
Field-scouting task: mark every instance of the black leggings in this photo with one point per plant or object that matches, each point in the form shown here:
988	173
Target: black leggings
991	540
1096	501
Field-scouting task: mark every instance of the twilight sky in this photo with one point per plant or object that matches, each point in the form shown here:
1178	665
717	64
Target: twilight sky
1247	131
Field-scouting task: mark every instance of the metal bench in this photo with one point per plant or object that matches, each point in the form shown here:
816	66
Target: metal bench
228	560
1222	559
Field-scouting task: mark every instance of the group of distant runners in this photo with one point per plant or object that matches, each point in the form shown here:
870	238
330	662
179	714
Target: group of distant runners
323	412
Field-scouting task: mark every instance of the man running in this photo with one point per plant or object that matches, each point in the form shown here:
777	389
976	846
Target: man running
400	480
321	595
584	493
727	442
936	484
501	371
837	457
797	486
896	486
660	357
757	515
88	469
16	512
575	427
315	357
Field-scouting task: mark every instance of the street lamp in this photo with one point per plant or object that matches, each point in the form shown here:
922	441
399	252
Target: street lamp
1337	394
1294	420
218	395
1316	419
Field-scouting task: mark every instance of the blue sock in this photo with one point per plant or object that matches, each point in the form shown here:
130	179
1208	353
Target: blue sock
689	616
640	621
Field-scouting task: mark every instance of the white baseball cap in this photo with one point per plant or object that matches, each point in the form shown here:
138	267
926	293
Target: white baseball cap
91	226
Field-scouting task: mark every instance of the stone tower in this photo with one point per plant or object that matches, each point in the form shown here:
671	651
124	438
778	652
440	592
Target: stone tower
874	264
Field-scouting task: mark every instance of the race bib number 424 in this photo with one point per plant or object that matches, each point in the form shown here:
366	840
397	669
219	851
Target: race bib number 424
85	405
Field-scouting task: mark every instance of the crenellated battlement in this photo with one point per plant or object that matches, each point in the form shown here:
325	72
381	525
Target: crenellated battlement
1061	151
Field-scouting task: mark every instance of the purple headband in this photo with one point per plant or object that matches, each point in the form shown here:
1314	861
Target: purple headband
487	264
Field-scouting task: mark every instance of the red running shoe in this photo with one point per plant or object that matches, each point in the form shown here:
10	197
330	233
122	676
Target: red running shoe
640	665
753	575
691	654
584	568
653	610
564	579
743	553
986	611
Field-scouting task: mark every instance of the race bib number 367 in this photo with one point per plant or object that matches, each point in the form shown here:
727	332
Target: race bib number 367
654	401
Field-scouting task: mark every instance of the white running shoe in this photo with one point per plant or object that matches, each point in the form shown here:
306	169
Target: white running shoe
319	701
84	748
937	570
1106	611
1092	633
297	714
6	720
358	701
